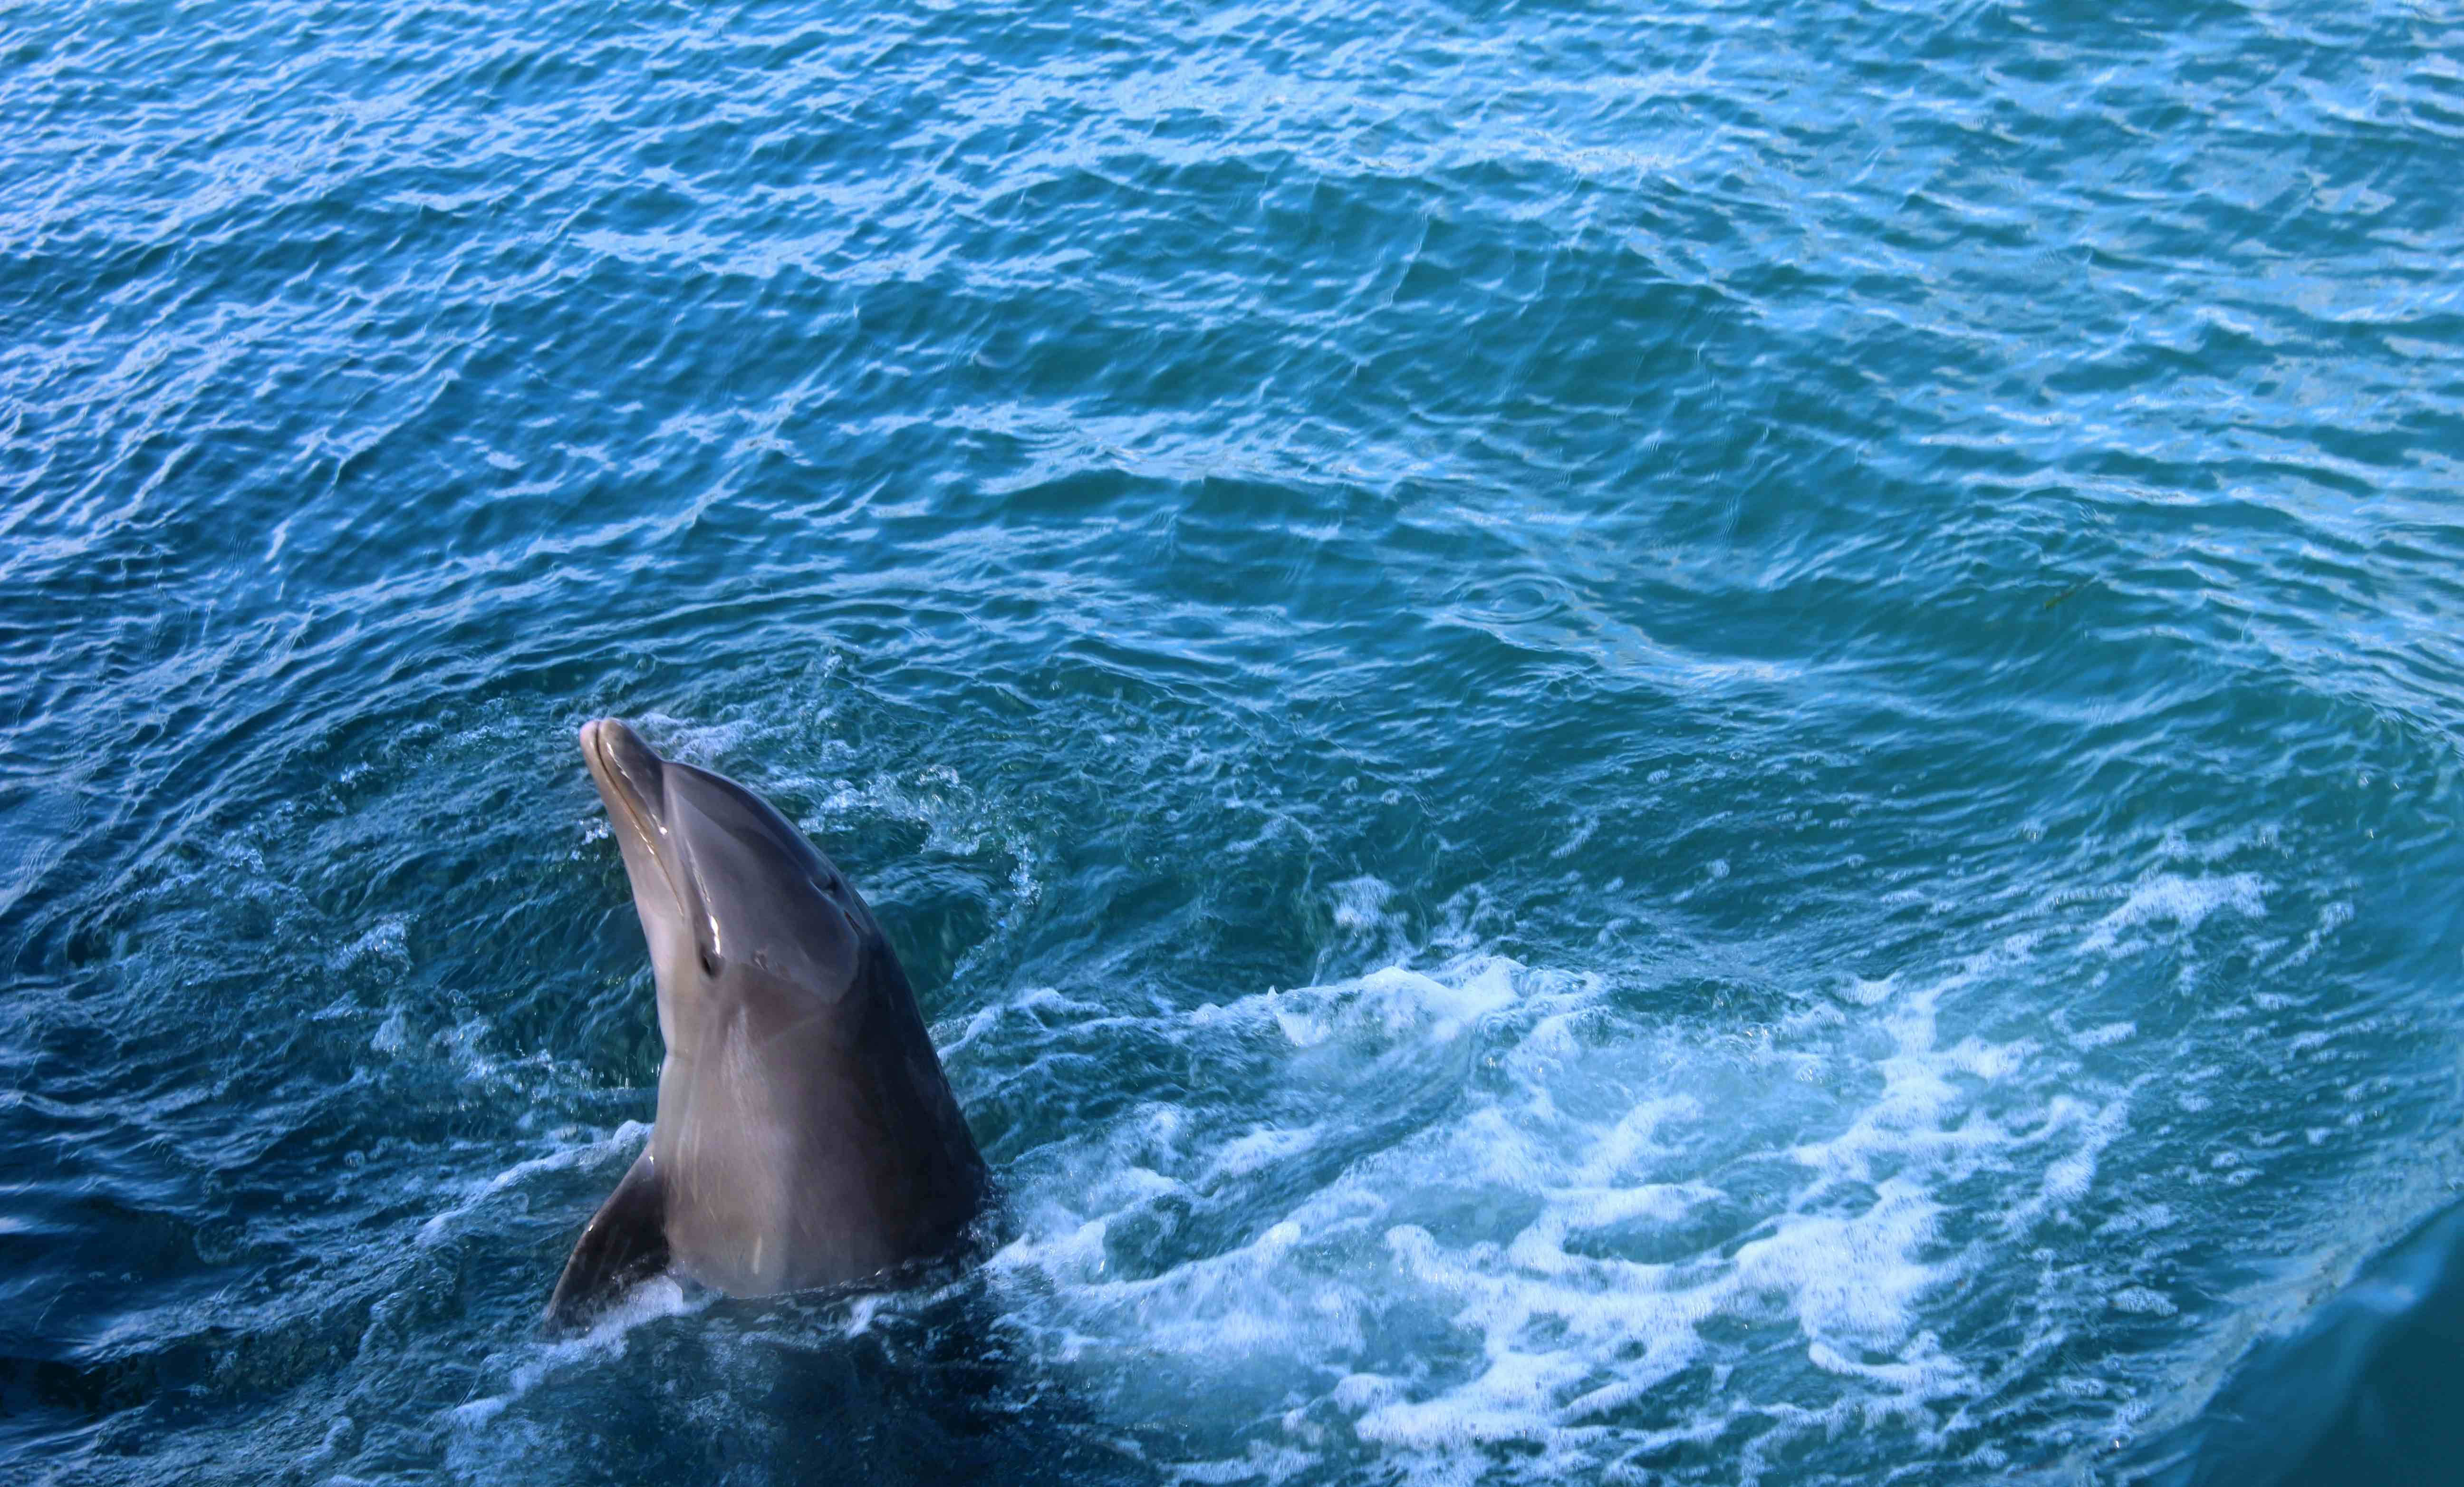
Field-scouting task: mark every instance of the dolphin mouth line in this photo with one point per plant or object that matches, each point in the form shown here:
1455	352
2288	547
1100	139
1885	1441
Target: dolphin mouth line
618	790
630	808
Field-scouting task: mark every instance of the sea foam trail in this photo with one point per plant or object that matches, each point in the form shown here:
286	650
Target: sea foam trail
1489	1219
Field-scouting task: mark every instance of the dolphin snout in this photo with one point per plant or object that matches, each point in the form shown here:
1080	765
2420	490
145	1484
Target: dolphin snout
617	755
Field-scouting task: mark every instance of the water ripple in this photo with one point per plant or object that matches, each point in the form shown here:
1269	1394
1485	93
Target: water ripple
1713	745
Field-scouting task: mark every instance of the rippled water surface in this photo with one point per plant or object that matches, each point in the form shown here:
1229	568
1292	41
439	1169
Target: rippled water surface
1699	744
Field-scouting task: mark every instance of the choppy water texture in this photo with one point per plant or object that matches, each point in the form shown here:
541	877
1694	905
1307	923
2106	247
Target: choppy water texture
1659	745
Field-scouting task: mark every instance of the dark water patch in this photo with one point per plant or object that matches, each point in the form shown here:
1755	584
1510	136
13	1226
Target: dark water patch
2363	1391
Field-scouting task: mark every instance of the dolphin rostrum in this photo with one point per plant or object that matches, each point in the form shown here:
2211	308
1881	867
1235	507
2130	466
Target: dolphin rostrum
805	1135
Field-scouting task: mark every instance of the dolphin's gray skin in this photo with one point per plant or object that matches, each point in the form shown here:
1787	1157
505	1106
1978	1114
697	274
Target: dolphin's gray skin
807	1135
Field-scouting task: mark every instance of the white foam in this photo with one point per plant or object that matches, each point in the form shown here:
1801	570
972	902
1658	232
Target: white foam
606	1338
1270	1464
1582	834
1393	1005
1581	1231
2105	1035
2184	902
1565	1337
393	1035
1360	903
1254	1152
386	939
2068	1178
937	799
703	744
629	1136
2142	1300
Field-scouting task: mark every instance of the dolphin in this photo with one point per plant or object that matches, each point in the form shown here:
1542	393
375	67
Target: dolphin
805	1136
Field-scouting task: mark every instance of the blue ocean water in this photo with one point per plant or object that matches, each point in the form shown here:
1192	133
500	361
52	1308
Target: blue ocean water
1656	745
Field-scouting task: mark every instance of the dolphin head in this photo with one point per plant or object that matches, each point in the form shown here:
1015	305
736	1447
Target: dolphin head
806	1135
729	891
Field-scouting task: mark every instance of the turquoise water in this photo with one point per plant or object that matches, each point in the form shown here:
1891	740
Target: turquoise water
1659	745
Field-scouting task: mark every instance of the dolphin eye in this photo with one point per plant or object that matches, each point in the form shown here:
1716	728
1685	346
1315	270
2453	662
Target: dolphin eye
709	964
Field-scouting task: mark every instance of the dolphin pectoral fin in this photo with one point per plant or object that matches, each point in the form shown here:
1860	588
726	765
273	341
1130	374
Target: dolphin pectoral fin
626	1241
